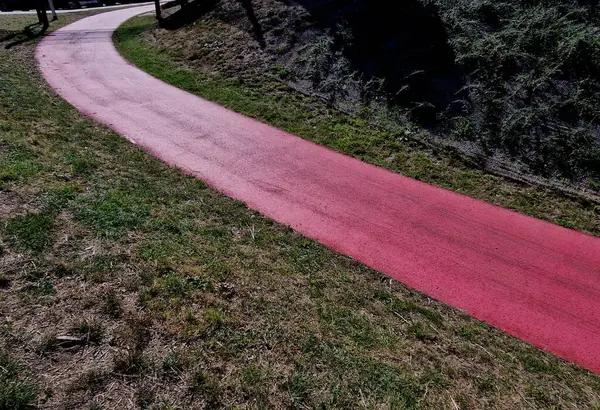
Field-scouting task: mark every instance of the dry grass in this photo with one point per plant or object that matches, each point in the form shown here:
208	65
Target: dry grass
185	299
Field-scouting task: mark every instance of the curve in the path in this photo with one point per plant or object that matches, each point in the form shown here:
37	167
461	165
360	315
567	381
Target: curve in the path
534	280
61	11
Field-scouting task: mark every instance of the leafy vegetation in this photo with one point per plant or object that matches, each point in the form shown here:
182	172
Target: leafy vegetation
532	81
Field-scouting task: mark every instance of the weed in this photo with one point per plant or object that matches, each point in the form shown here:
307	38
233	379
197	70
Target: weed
204	386
112	305
251	375
421	333
44	287
213	319
48	343
91	332
348	324
281	72
173	365
467	332
129	362
535	364
399	306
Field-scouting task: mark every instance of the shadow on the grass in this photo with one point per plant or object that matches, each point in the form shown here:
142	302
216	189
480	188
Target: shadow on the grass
404	43
16	37
187	13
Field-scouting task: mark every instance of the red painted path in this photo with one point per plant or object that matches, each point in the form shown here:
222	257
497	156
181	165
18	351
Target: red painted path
534	280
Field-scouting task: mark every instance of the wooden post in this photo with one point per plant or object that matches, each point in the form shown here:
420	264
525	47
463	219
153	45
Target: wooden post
52	9
158	11
42	16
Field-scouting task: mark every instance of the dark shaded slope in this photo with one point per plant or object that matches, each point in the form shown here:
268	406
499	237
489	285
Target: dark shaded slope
404	44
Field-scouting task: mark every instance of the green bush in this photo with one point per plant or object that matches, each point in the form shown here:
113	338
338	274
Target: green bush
532	80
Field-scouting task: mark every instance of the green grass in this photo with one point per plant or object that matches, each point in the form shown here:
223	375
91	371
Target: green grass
17	164
188	299
16	393
261	96
31	231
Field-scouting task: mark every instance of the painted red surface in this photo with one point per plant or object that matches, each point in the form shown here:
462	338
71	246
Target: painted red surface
534	280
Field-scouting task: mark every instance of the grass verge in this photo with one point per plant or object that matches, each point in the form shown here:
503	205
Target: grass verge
154	291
